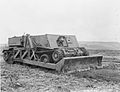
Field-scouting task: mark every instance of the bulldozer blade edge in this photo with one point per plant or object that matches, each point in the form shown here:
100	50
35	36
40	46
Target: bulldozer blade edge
80	63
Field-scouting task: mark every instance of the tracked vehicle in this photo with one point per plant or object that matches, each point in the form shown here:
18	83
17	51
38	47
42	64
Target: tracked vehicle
59	52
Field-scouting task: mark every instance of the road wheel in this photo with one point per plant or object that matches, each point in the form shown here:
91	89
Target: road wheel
45	58
8	58
57	55
5	56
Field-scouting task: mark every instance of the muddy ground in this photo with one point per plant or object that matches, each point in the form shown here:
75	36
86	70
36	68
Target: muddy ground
20	77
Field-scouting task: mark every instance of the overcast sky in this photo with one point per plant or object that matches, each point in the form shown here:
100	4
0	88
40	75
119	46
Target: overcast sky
89	20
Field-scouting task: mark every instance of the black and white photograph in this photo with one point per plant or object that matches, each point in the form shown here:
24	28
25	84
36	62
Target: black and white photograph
59	45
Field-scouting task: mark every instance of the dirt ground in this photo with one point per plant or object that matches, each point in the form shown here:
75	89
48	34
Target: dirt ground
25	78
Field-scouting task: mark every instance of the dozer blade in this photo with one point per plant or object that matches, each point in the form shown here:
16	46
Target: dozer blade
80	63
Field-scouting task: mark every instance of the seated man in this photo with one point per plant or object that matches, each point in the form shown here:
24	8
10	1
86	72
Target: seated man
62	42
